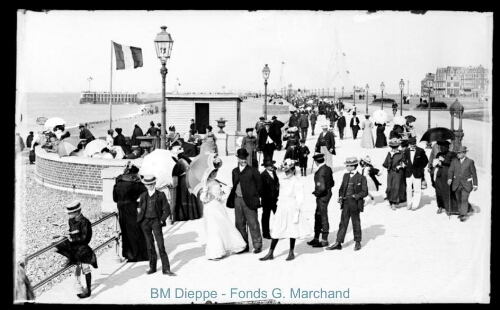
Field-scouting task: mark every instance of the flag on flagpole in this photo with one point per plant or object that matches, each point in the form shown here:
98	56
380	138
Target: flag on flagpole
127	57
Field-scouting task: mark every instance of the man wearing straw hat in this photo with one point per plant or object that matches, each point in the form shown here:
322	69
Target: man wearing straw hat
352	192
463	179
326	144
153	213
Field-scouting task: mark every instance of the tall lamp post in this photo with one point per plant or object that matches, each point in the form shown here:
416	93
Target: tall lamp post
429	84
367	88
354	95
265	74
382	87
342	92
401	87
163	44
334	89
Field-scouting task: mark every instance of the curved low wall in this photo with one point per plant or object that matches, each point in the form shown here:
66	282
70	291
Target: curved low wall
72	173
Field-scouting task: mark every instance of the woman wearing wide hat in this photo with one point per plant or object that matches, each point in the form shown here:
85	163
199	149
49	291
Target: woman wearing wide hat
394	162
222	237
289	221
441	164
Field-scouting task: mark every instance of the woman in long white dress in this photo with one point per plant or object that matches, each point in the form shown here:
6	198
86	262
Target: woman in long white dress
367	139
222	237
289	221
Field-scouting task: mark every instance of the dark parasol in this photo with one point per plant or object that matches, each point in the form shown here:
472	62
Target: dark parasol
438	134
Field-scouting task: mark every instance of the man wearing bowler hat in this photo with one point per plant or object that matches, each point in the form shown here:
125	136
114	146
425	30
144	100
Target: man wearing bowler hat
266	142
323	182
351	198
244	198
269	196
153	212
463	179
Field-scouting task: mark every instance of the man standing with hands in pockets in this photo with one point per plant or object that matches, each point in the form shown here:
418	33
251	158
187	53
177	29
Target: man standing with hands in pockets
463	179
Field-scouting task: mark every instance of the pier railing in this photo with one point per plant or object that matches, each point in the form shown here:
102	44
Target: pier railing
115	238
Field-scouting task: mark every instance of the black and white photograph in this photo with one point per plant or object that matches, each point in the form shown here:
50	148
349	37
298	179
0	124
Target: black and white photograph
253	157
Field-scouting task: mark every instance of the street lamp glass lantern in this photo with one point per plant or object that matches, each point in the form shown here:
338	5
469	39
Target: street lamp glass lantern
163	44
382	86
266	72
401	84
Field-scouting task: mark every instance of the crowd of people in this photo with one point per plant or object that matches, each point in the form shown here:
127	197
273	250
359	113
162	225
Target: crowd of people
145	209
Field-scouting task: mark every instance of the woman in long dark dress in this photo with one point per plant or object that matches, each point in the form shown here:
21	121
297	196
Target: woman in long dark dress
442	163
188	206
126	191
381	138
395	172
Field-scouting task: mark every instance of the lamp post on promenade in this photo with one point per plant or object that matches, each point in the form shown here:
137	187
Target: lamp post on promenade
265	74
334	94
354	96
401	87
382	87
367	88
342	92
163	44
429	83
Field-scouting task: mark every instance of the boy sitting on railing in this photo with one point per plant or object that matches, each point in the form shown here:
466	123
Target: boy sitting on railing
76	246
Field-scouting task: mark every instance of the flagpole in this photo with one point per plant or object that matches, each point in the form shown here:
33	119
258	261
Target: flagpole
111	87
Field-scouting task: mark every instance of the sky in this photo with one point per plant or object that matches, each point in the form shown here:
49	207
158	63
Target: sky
59	50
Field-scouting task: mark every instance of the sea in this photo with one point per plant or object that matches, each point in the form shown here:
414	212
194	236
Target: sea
30	106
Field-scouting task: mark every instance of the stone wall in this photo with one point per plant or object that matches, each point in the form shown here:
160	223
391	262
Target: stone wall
71	173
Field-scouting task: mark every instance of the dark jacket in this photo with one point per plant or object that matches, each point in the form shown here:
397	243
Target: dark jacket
352	122
251	186
272	186
303	121
464	174
275	131
263	134
329	141
323	181
293	121
313	118
415	168
137	133
341	122
153	131
360	189
86	134
161	205
334	116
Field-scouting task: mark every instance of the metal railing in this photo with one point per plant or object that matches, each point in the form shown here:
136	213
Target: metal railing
53	245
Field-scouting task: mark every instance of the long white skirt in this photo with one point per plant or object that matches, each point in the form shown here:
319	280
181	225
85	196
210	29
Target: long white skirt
281	224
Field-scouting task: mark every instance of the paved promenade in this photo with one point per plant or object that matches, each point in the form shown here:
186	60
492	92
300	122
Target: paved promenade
407	256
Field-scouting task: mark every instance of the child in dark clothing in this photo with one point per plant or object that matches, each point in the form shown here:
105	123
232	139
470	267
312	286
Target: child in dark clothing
303	152
291	151
76	246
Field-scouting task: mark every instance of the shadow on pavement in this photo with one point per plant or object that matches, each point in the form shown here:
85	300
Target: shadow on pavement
370	233
117	280
173	240
185	256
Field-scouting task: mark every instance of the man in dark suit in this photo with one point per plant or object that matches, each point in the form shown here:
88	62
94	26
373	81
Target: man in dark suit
351	198
292	121
341	125
326	144
266	143
303	124
269	197
415	160
312	120
247	188
354	125
323	182
152	215
463	179
275	131
333	117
